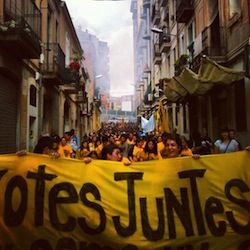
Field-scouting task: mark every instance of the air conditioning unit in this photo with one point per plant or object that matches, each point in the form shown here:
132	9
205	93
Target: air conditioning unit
41	60
150	97
37	76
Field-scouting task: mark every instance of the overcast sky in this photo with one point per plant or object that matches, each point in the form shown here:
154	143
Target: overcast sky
110	21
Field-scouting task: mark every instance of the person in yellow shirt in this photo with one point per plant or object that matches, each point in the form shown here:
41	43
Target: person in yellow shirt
130	139
112	152
150	151
186	151
137	151
99	147
160	144
83	151
173	147
64	150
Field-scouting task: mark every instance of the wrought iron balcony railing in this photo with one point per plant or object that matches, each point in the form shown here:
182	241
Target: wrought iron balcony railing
184	10
54	64
20	28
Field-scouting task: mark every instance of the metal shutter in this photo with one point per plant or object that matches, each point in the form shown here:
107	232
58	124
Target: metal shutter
8	115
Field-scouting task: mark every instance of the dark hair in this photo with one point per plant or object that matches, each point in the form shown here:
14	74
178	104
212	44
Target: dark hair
154	150
223	130
81	147
108	149
175	138
72	132
43	142
124	135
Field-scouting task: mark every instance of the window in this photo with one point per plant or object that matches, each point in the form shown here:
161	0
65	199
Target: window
174	54
177	111
169	66
182	44
67	50
33	95
57	32
234	8
191	33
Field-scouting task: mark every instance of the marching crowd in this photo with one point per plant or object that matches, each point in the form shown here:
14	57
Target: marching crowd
125	143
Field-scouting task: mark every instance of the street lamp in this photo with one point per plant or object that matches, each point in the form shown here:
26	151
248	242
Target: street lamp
98	76
156	30
161	31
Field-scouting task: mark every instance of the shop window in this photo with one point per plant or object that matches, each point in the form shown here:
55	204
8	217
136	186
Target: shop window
33	95
240	106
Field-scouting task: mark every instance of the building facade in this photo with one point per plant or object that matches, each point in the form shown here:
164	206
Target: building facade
182	32
97	63
42	77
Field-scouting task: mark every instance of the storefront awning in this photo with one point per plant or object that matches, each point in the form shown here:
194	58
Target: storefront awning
189	83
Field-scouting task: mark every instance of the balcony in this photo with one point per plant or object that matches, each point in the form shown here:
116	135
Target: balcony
20	29
146	3
164	42
143	14
148	95
157	54
165	15
70	76
211	43
146	35
156	18
82	97
184	10
53	69
163	3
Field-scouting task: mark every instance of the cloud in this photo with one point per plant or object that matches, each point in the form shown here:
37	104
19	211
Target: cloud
121	52
110	21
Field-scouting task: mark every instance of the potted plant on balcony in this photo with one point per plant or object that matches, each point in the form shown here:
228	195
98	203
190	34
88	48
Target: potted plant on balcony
75	66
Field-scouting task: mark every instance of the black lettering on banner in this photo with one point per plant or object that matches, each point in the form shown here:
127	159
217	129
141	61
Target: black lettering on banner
90	188
204	246
245	245
54	200
10	247
40	176
182	210
130	247
242	186
66	244
148	232
84	246
2	173
130	178
192	175
187	247
14	217
94	246
214	206
40	245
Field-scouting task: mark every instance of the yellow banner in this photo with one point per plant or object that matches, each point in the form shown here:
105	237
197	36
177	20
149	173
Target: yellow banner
172	204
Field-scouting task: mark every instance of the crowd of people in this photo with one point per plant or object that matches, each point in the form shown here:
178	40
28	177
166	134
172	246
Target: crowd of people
126	143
